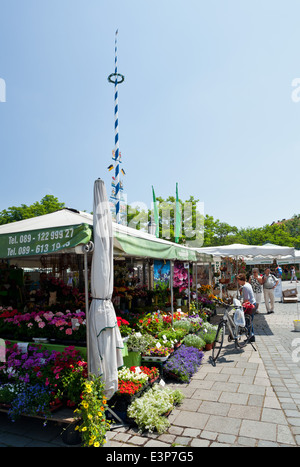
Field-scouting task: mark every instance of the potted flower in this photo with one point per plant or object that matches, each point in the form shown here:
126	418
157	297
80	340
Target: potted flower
158	353
148	412
184	363
191	340
92	423
137	343
124	327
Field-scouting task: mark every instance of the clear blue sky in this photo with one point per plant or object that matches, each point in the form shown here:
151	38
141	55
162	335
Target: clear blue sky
206	102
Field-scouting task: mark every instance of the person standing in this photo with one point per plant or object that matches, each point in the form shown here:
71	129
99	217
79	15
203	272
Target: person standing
248	296
269	283
279	272
293	275
255	280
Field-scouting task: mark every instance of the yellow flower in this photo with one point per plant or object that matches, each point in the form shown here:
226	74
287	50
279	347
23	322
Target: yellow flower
96	444
85	405
76	428
90	416
100	414
84	428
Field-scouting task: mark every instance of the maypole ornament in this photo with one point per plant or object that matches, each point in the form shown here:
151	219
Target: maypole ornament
116	78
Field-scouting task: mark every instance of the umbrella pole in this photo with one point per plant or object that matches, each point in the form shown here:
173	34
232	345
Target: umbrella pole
89	247
171	288
86	288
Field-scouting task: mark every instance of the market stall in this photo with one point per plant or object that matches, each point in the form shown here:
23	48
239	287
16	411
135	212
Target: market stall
57	243
232	259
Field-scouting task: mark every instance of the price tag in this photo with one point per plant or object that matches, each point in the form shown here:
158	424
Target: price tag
138	370
158	345
162	383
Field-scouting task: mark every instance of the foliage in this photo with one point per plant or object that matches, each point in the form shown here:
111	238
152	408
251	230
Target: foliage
151	323
138	342
124	327
148	410
48	204
194	341
91	413
40	323
30	401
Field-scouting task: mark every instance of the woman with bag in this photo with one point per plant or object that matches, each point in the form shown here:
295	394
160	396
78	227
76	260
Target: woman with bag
248	296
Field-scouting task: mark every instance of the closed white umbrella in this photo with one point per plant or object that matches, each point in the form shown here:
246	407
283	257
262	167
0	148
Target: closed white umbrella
105	341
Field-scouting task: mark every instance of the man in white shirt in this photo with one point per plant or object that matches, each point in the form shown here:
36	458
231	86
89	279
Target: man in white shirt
269	282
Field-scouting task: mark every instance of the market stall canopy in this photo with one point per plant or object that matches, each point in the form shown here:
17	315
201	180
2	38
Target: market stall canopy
288	259
240	250
141	244
64	230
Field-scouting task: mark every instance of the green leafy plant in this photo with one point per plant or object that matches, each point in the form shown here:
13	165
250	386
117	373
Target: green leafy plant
194	341
148	411
138	342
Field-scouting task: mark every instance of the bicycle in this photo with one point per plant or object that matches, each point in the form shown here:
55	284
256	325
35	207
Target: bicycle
236	332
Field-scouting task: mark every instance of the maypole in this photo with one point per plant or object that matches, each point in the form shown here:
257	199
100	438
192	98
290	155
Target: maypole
116	78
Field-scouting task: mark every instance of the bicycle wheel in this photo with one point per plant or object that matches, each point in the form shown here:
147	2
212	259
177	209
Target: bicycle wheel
245	333
218	343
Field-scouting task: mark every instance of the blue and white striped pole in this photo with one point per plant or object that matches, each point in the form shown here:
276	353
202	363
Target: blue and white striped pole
116	78
117	167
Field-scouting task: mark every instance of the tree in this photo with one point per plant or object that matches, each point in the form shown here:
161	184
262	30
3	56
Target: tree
48	204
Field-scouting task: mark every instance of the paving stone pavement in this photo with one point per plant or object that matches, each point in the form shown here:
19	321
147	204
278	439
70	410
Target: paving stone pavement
248	399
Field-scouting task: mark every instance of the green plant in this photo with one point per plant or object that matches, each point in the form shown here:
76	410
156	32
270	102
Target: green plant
9	391
209	337
194	341
148	410
30	401
138	342
91	413
183	324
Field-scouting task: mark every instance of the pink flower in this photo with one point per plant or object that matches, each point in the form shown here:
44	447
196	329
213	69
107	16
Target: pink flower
69	331
41	324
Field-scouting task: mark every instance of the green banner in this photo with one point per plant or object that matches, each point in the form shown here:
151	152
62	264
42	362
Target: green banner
44	241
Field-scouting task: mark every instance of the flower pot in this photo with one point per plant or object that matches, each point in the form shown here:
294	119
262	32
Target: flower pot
132	359
209	346
297	325
178	300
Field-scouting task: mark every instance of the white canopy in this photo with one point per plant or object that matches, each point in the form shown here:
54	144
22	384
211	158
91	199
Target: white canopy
239	250
68	229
